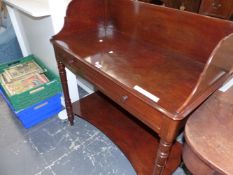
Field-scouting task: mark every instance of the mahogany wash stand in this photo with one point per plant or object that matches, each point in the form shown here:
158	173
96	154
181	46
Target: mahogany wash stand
153	64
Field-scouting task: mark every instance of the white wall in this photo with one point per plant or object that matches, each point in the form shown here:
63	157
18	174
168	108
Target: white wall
38	32
58	12
35	29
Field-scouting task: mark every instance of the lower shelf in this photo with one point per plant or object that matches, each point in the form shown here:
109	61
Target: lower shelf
135	140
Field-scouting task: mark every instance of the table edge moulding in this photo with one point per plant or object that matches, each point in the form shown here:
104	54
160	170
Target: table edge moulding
158	64
208	136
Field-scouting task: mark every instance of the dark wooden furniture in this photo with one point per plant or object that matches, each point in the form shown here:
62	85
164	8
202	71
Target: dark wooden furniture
134	138
157	63
209	138
216	8
146	1
188	5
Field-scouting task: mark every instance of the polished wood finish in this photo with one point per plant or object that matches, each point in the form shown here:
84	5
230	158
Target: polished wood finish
209	139
217	8
194	163
145	0
138	142
120	44
62	73
187	5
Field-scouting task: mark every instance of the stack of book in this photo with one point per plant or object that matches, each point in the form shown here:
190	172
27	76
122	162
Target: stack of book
22	77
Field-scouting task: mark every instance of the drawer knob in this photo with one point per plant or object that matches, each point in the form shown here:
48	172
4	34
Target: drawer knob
182	7
71	61
216	5
124	98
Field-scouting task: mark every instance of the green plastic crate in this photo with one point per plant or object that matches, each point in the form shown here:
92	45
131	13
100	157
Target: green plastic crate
37	94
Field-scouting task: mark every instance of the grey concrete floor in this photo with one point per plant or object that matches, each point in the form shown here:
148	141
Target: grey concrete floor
54	148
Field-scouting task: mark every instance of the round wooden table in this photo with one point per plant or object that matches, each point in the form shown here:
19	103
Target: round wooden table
209	136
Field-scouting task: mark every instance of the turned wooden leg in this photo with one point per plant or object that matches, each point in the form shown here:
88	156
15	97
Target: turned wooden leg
162	155
68	104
